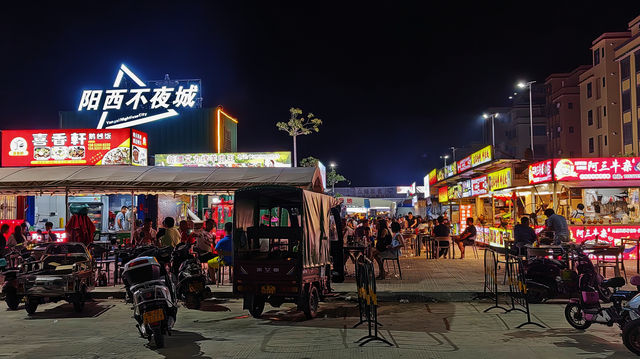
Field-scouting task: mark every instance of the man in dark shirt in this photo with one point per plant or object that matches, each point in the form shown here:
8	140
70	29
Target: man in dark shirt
467	237
441	232
523	234
411	221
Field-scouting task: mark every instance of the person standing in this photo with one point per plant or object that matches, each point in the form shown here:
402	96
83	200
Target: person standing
558	225
412	221
578	214
4	229
121	223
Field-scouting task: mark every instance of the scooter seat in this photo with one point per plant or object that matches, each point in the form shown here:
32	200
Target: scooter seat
616	282
635	280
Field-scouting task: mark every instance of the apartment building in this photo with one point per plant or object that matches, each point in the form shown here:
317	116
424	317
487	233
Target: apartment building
627	57
600	117
563	112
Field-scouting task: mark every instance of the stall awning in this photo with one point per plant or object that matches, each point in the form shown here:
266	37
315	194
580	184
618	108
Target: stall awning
116	179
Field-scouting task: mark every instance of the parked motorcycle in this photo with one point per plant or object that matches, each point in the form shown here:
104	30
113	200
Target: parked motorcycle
154	304
631	330
191	286
552	278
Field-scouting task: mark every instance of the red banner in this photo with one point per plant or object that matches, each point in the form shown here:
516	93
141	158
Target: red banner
589	169
541	172
73	147
464	164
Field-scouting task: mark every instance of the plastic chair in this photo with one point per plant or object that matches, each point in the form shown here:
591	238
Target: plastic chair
395	260
438	246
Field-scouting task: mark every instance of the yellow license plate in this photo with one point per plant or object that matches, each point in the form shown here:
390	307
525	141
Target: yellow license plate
196	287
268	289
153	316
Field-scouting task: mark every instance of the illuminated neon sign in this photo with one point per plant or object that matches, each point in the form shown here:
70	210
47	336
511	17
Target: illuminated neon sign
135	102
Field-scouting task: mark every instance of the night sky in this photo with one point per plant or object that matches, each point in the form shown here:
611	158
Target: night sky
396	84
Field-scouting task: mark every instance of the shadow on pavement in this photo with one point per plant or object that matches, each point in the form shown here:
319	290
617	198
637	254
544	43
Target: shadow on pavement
182	344
213	306
65	311
572	338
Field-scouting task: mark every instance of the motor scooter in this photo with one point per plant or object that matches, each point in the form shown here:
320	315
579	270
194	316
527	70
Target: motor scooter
154	304
191	286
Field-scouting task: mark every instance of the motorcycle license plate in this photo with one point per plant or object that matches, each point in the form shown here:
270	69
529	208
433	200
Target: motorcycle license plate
153	316
268	289
195	287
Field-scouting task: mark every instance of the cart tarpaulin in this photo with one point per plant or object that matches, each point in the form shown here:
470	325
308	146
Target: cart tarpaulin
316	212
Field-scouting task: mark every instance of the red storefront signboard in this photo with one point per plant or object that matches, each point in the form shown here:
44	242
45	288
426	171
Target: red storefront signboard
589	169
611	234
73	147
443	194
541	172
479	185
464	164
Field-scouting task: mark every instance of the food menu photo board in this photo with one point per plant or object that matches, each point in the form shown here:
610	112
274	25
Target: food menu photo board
23	148
238	159
541	172
588	169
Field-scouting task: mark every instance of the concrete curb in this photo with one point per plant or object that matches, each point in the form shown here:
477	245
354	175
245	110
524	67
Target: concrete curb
415	297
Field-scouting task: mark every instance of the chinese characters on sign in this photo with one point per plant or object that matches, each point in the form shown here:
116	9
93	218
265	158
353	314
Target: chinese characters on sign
541	172
74	147
499	179
239	159
480	157
479	186
465	212
464	164
587	169
141	104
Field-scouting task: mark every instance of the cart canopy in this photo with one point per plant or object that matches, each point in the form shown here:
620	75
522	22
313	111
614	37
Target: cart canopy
309	212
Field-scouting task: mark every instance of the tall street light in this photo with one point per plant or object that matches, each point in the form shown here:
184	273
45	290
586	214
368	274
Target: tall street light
333	166
493	128
453	149
444	157
527	84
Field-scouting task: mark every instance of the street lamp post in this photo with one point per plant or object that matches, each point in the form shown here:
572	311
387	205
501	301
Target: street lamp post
333	183
453	150
445	159
528	84
493	128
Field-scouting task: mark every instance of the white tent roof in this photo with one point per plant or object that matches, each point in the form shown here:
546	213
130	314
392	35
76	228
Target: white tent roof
115	179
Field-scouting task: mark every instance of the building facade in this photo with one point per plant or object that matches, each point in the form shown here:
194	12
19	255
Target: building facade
627	57
563	112
601	124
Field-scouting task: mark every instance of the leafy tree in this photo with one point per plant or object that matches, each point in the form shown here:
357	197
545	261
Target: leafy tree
298	126
309	162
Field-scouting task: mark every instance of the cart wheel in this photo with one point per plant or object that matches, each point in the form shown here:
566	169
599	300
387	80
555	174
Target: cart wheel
310	304
11	298
257	306
31	305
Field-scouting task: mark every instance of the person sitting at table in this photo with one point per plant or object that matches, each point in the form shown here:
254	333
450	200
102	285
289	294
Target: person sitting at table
558	225
523	235
441	233
383	241
392	250
467	237
363	232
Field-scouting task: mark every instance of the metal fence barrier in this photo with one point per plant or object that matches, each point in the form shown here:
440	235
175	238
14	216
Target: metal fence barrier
367	300
515	276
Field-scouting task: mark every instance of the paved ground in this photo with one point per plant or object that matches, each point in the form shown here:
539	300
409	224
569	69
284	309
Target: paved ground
223	330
